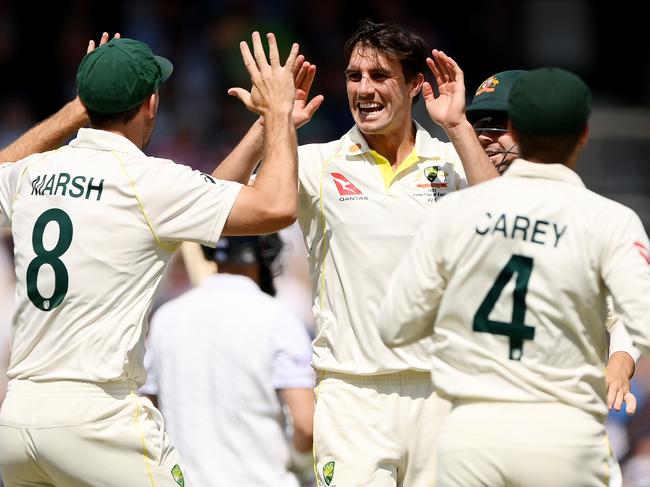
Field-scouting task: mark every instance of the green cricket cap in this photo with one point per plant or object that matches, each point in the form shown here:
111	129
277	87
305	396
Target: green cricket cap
549	101
120	75
492	95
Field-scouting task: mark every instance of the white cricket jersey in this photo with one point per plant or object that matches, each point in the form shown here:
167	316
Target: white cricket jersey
515	289
219	354
358	218
94	224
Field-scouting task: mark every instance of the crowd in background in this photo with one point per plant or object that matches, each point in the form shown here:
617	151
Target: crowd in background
199	124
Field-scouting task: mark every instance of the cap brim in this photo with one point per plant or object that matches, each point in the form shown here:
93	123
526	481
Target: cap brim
481	108
166	68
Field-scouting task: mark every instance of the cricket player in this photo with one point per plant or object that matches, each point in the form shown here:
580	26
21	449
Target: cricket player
488	114
225	361
515	293
94	224
362	198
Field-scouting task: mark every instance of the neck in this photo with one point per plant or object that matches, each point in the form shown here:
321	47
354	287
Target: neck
130	133
394	146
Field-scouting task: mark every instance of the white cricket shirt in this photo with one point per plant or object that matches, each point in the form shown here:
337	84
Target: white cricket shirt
358	218
218	354
94	224
515	289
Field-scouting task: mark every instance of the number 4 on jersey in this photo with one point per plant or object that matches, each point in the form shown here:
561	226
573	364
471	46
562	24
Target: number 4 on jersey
516	329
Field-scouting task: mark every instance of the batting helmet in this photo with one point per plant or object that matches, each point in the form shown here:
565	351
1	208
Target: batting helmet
262	250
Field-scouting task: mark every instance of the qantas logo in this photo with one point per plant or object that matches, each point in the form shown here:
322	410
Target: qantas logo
643	251
345	187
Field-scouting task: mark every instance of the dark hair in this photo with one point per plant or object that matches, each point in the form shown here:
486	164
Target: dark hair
104	120
549	148
394	41
263	251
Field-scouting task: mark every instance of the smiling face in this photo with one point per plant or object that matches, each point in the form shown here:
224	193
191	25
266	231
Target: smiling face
379	97
497	141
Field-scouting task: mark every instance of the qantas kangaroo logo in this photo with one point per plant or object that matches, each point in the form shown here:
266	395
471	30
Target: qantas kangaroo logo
345	187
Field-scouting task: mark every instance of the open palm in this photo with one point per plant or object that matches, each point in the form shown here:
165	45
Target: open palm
448	109
304	73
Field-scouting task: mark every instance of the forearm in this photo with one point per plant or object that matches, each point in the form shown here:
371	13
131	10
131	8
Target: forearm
49	134
478	167
278	176
241	162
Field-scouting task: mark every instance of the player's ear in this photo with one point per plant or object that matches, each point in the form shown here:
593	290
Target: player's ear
151	106
584	136
416	85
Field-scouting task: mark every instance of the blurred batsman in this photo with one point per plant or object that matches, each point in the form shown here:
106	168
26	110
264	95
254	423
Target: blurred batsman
515	294
227	361
94	224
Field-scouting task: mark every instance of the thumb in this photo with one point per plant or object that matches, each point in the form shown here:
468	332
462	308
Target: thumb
427	90
238	92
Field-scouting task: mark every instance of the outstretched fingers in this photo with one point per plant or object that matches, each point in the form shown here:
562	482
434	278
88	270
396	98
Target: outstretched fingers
258	52
300	69
103	40
274	55
293	55
249	60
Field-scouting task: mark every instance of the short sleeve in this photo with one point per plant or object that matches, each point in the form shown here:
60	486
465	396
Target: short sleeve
291	367
8	179
184	204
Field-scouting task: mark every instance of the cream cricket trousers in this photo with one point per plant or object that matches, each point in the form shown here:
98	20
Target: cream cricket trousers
522	444
76	434
376	431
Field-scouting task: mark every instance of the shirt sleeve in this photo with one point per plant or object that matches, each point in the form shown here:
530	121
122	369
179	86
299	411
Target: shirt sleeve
291	367
183	204
625	268
415	289
8	179
309	164
150	387
619	339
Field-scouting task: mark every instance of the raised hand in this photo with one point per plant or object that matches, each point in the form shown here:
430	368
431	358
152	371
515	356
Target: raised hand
448	109
303	77
102	41
273	84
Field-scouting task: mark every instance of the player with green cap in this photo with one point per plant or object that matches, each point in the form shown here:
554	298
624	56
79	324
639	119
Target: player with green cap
515	295
488	114
94	224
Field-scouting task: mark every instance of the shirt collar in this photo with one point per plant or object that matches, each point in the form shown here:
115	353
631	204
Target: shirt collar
527	169
353	143
88	138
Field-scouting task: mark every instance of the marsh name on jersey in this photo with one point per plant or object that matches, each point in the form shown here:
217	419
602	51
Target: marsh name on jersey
66	185
521	227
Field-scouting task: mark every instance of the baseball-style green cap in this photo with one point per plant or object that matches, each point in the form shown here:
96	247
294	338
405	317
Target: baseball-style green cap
549	101
120	75
492	95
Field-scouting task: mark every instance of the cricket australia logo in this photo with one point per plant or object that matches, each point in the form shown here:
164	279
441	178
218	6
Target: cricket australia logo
488	86
430	173
177	475
328	472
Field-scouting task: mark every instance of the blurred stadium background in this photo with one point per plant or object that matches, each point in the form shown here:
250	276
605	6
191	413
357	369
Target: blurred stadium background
604	42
